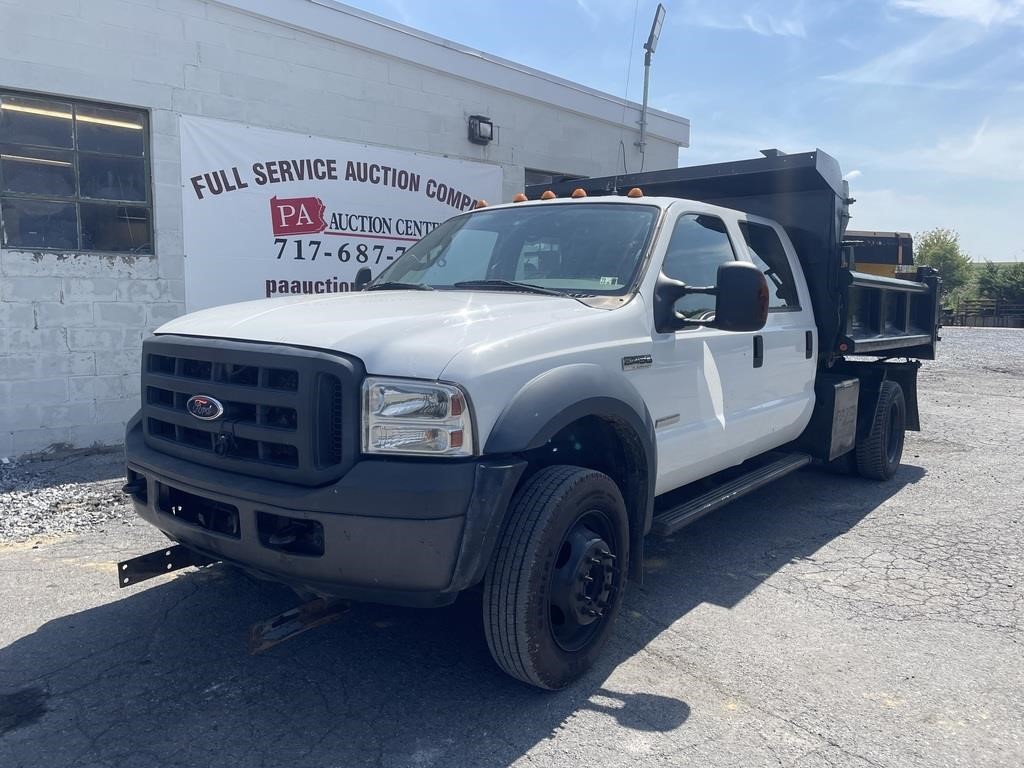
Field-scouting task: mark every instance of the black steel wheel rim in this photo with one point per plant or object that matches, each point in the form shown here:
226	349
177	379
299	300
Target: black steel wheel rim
584	581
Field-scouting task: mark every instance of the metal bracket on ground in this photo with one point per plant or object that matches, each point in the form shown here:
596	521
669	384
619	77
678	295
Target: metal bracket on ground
166	560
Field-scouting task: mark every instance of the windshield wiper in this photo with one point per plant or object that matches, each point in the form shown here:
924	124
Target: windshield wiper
509	285
392	285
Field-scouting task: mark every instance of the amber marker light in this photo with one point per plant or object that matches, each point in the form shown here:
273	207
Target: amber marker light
480	204
578	193
519	197
635	192
549	195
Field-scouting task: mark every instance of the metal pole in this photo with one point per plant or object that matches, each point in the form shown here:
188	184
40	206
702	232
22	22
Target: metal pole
643	111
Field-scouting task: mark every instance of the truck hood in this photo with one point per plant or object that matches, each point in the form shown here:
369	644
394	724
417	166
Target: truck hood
407	333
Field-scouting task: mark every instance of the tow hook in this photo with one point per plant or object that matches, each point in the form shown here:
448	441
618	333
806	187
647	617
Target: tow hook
266	634
135	487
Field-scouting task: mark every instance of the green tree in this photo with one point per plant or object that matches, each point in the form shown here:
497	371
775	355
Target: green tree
940	248
990	281
1002	281
1013	283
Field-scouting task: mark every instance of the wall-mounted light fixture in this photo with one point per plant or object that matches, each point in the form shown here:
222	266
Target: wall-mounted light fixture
481	129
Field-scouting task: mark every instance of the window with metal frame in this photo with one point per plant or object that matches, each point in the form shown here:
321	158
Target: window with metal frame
535	176
699	244
74	176
768	255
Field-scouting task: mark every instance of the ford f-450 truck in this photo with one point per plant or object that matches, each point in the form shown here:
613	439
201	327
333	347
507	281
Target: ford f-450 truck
526	394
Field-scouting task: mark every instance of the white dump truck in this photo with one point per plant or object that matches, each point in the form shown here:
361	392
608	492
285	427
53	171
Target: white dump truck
525	395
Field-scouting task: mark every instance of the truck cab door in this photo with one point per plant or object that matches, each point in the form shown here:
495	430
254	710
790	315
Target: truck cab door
699	378
785	359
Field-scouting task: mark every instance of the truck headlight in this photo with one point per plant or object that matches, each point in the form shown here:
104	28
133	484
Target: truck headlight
401	416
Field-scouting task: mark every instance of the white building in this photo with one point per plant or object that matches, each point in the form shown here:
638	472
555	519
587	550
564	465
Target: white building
93	99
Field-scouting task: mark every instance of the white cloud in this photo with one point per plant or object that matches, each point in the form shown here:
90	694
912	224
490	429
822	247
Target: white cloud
767	25
984	12
587	8
764	20
994	150
982	235
991	152
904	65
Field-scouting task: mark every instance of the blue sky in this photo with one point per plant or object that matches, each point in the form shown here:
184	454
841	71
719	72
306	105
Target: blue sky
921	101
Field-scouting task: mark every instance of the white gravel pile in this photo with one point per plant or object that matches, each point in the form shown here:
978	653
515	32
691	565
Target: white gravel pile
42	498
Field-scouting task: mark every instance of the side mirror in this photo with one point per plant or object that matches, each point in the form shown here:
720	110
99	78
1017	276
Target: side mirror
741	300
364	276
742	297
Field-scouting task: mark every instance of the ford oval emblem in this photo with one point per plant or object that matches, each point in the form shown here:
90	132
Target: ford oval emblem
204	407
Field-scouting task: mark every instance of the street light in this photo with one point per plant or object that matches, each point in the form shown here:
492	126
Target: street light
649	46
652	39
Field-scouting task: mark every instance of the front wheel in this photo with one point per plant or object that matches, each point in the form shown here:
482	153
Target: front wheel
555	583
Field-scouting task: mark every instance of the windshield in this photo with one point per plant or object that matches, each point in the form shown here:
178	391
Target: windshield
582	249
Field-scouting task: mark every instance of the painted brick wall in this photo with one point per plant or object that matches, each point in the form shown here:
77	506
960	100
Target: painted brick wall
71	325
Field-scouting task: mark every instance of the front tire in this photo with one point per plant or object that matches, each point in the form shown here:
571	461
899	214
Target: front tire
556	581
879	454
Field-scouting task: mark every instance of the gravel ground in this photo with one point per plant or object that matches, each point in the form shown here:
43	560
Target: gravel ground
57	496
825	621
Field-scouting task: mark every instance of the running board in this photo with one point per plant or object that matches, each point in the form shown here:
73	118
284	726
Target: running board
671	520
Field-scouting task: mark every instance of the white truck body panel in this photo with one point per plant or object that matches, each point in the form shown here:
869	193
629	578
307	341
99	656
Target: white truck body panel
711	407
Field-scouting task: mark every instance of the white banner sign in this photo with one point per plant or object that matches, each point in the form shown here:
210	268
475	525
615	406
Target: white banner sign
269	213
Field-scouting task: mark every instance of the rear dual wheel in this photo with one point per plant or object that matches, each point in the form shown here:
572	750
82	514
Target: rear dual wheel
880	452
555	584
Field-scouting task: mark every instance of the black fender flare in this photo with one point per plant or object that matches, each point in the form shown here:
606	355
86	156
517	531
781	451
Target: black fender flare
558	397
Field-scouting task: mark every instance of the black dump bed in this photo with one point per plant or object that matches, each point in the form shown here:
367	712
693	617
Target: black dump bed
856	313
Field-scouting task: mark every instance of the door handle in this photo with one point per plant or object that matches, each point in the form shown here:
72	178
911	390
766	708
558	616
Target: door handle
758	351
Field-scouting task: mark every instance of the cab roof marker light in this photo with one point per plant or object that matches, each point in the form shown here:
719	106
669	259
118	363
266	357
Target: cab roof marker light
480	204
548	195
519	197
578	193
635	192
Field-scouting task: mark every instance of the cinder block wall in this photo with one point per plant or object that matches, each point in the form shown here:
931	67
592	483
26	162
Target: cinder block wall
71	325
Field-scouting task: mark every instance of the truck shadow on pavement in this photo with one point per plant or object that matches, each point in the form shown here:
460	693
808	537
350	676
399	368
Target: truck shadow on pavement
161	677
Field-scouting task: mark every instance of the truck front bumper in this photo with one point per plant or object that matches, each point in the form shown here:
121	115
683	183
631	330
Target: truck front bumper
404	532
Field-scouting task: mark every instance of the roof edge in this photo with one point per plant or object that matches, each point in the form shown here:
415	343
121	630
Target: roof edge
342	23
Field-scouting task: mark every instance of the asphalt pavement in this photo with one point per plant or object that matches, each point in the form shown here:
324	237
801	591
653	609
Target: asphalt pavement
825	621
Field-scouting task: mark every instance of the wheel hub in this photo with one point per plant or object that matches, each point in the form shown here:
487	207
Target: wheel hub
582	587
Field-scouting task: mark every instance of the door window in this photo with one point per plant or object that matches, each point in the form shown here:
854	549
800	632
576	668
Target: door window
699	244
769	256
